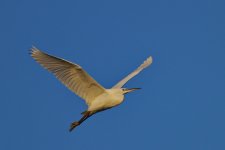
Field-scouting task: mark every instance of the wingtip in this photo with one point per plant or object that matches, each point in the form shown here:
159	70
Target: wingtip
33	50
150	59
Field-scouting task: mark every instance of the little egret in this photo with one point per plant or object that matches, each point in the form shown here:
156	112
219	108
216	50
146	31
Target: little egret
80	82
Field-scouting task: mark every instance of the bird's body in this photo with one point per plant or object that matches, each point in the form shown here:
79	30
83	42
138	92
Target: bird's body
109	99
81	83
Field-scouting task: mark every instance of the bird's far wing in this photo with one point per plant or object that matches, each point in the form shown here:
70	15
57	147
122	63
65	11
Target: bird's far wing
145	64
71	75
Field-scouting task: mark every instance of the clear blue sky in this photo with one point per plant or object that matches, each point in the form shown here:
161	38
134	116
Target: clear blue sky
182	102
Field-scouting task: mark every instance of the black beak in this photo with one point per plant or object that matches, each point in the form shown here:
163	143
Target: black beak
131	90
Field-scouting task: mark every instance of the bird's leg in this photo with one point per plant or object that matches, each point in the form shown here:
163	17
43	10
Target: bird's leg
77	123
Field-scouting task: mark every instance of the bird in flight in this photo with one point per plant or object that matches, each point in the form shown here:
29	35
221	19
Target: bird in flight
81	83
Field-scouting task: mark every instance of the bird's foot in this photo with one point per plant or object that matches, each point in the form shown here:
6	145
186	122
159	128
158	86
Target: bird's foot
74	125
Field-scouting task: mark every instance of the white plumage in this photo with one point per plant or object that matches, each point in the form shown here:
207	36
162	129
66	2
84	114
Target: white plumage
81	83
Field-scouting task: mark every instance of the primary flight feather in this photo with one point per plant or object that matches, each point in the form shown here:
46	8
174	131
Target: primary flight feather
81	83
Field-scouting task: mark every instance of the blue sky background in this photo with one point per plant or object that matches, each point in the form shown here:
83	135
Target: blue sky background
182	102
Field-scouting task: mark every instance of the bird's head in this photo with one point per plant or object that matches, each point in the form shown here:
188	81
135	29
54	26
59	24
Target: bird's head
125	90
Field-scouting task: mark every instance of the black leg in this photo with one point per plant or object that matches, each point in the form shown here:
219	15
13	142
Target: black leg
77	123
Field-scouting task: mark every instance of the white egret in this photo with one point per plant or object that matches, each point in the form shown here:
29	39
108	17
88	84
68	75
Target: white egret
81	83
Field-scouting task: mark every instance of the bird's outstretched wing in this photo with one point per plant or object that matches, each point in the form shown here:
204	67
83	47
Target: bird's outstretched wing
145	64
71	75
